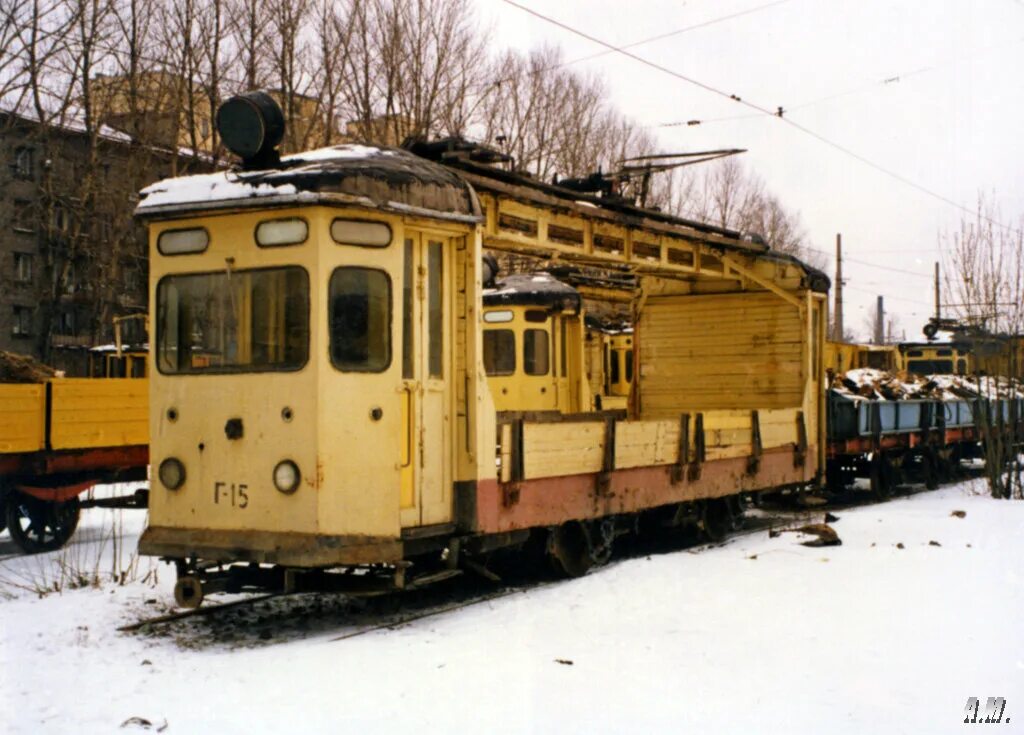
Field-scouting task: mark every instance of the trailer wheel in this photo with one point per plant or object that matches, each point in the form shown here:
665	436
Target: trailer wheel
881	477
37	525
932	470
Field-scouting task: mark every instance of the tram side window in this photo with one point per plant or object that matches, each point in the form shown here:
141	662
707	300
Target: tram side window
629	366
563	347
930	367
614	372
360	319
535	352
499	351
435	310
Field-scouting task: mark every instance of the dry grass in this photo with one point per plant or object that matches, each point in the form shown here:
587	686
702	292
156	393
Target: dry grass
102	560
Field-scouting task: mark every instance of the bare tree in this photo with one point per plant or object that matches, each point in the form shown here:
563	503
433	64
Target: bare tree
984	270
728	195
334	39
984	277
246	24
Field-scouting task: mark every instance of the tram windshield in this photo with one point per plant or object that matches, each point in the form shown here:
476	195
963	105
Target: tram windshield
233	321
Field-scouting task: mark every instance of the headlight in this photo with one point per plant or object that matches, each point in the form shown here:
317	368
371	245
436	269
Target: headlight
172	473
286	476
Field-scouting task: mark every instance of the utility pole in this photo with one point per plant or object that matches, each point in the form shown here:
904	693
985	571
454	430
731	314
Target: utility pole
880	322
837	327
938	300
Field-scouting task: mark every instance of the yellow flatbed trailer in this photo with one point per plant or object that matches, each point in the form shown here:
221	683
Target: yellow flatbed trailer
57	440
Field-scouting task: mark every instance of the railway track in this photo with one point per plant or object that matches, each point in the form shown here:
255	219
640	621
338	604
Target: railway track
377	612
425	602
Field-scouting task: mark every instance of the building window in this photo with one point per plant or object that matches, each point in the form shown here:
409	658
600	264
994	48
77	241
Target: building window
21	326
24	220
67	323
22	268
24	163
131	280
103	229
70	282
59	219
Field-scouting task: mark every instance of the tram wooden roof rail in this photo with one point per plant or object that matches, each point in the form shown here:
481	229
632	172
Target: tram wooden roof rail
519	214
526	215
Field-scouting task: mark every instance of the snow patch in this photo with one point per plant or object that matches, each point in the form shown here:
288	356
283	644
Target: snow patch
337	153
208	188
887	633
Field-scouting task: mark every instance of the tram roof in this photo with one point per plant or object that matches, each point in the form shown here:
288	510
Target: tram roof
428	182
390	179
532	289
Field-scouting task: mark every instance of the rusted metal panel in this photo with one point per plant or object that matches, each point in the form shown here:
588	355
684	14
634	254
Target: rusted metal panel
553	500
58	494
269	547
102	461
866	444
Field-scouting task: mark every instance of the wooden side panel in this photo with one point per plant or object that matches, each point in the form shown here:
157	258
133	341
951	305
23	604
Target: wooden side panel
550	450
645	443
22	418
99	412
720	351
555	449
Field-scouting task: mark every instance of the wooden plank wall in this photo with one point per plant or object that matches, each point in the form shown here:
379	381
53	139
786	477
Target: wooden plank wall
719	351
22	418
569	448
95	412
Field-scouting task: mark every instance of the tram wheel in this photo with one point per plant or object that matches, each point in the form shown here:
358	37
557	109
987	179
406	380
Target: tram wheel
37	525
188	592
569	550
716	519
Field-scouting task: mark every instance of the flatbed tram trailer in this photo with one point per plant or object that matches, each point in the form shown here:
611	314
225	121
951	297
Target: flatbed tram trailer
58	439
885	441
335	415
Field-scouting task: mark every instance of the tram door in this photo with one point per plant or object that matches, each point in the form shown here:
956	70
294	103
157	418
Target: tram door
426	350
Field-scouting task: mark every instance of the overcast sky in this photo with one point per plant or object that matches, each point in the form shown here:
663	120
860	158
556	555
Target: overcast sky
951	118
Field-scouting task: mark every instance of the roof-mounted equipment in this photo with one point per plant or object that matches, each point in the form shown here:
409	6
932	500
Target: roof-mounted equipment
251	126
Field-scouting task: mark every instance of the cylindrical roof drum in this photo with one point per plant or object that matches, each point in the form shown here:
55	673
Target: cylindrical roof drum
250	124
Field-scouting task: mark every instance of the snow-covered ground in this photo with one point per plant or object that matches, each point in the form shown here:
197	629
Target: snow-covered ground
759	635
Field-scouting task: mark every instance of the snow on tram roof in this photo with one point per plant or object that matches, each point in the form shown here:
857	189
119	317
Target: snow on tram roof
202	188
226	185
401	180
338	152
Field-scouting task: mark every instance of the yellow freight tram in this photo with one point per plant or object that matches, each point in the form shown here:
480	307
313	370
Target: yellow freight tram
319	397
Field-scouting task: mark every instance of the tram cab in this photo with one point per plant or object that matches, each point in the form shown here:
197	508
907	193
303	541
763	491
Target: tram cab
533	344
308	405
927	358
